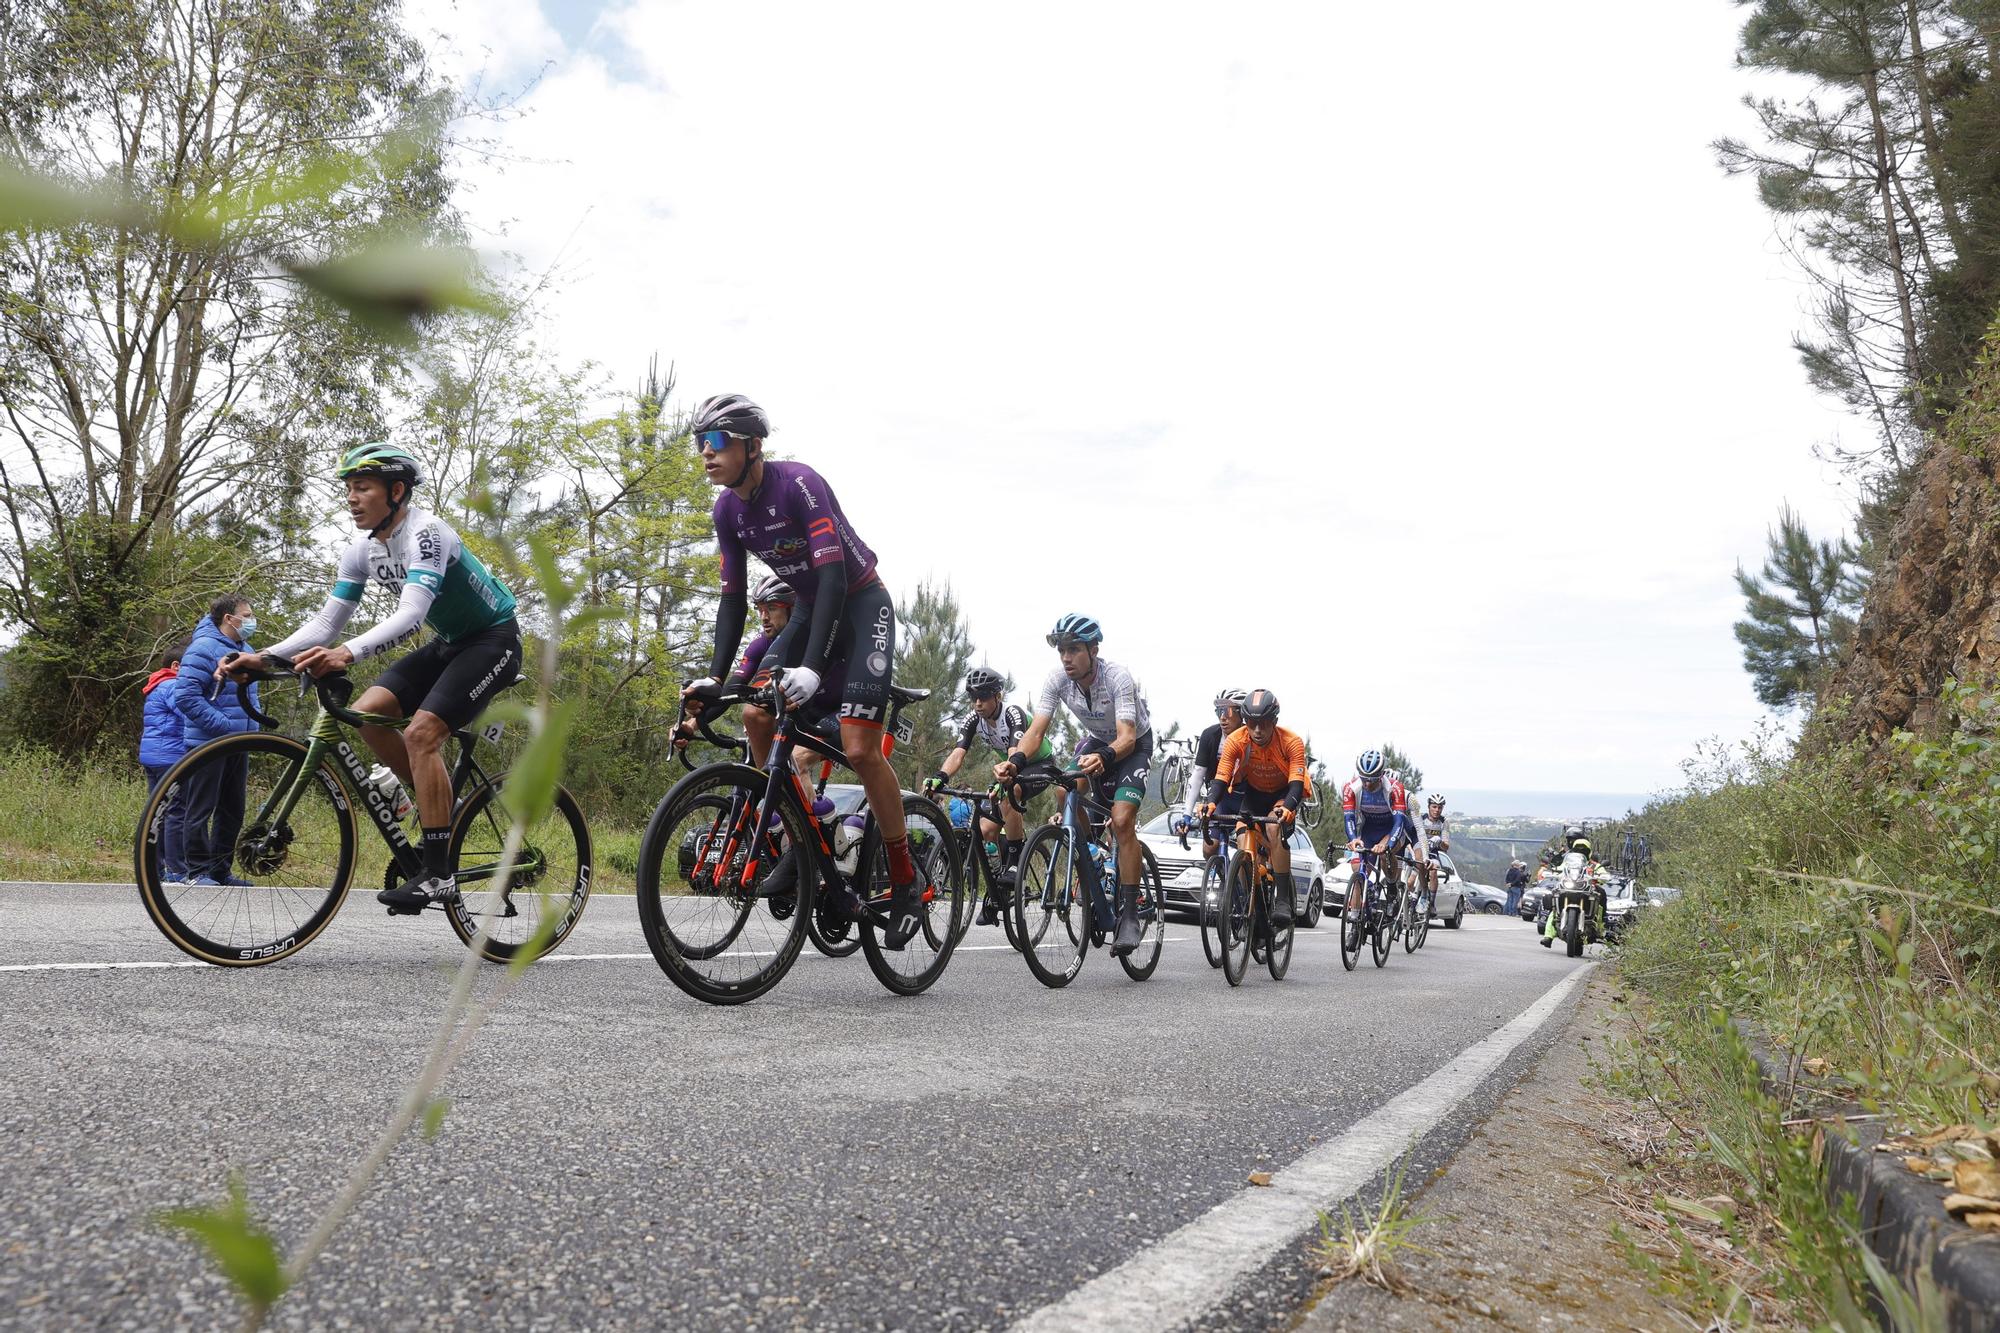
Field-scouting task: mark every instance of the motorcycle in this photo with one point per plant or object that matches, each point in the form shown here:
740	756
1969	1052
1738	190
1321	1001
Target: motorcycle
1574	909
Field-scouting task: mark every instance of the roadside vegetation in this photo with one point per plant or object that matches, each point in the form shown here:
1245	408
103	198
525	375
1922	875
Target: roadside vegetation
1845	906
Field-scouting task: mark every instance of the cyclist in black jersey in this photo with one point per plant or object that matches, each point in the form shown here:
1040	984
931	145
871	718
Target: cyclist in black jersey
1001	725
1207	754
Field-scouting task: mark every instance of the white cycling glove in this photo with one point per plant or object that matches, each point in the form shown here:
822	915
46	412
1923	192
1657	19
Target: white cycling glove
799	684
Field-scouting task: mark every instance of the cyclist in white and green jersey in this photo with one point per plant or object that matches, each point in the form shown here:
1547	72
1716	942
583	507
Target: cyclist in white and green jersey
475	651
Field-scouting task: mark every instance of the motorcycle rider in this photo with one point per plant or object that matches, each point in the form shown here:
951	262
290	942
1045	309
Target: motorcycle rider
1594	876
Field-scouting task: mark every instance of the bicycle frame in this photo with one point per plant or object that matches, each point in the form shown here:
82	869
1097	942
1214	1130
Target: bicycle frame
325	738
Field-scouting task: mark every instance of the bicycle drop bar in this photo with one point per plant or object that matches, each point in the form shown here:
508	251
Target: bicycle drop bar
334	688
1217	821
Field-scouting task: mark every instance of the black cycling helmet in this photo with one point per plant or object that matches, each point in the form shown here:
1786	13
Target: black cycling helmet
771	588
983	680
1572	833
1075	628
1261	706
735	417
731	412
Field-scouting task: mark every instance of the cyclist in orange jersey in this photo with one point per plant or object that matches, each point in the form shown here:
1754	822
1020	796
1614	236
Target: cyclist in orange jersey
1268	763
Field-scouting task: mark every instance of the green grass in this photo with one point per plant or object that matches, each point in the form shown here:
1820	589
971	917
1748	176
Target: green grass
64	823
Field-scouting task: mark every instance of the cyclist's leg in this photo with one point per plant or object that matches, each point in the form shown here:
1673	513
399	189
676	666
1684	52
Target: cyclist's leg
1126	779
475	670
867	642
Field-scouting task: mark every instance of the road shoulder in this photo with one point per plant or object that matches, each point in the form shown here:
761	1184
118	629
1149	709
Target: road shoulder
1521	1218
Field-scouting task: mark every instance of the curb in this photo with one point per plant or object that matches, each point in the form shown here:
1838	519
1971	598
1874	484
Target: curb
1902	1216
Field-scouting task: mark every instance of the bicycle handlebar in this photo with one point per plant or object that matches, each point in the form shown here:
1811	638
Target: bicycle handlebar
334	689
719	701
1219	820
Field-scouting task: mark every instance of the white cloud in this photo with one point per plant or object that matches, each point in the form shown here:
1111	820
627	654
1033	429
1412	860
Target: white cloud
1179	309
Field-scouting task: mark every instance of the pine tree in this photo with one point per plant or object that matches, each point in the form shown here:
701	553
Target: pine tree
1402	766
1798	612
933	652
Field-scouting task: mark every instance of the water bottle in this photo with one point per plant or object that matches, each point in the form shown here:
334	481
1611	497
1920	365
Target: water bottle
383	780
847	845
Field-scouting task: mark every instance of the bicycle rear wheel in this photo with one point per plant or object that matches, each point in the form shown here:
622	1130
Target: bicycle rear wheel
1311	811
1051	913
1173	781
1233	918
1387	915
719	901
911	969
1206	905
289	834
1420	920
1139	964
551	875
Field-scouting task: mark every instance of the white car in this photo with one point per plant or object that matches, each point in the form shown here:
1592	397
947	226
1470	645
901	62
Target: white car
1449	909
1180	869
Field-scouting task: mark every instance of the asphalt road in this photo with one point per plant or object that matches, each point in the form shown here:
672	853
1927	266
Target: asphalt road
618	1155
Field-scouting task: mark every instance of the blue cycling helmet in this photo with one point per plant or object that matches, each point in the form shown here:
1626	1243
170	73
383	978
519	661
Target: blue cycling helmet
961	812
1368	764
1074	628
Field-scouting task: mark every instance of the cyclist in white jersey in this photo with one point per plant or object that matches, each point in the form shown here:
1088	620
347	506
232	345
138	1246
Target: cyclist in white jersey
1001	725
1117	752
442	686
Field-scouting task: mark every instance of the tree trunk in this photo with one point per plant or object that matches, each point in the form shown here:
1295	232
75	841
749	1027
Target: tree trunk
1892	233
1920	79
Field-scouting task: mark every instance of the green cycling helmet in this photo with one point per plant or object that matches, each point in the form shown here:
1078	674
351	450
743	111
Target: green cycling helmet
379	458
392	463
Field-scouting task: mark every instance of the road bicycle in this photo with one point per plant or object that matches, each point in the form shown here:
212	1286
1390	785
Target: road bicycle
1244	927
1176	767
1417	904
733	864
1377	918
1214	871
984	878
1062	904
291	862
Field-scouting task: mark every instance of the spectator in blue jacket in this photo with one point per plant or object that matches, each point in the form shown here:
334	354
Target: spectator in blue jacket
213	814
160	748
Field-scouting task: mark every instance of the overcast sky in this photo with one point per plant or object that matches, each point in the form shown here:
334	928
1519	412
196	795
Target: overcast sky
1166	313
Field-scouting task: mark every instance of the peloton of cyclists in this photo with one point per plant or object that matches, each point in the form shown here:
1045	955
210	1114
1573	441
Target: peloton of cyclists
1001	725
1117	750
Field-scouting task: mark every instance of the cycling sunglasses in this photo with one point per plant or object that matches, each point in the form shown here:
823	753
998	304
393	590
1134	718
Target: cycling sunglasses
717	440
984	695
1065	641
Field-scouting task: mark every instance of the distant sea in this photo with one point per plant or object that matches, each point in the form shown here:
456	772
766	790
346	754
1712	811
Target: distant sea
1545	804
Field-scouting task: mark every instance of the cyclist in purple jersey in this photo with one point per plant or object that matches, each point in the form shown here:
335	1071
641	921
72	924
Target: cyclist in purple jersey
786	515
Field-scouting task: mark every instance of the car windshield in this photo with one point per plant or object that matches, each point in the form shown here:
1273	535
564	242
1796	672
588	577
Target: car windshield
1157	825
846	797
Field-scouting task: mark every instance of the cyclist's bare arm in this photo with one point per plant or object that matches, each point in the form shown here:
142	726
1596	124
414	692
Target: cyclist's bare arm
1030	743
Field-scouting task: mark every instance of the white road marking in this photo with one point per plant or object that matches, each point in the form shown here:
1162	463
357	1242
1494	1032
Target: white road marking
1175	1281
557	957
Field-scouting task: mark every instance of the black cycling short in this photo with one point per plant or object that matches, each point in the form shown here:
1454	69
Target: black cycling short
1257	802
456	680
865	641
1125	780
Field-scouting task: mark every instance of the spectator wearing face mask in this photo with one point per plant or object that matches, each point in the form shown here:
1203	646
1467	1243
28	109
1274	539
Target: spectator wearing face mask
213	813
160	748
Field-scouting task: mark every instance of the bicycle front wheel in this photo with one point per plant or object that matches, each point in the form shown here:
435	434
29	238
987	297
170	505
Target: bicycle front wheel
1139	964
1387	916
1278	950
1353	930
275	840
1420	921
550	876
722	901
911	969
1051	914
1233	918
1207	905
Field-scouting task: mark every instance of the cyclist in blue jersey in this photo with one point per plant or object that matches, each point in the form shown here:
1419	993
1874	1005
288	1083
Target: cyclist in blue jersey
1377	813
786	515
475	651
